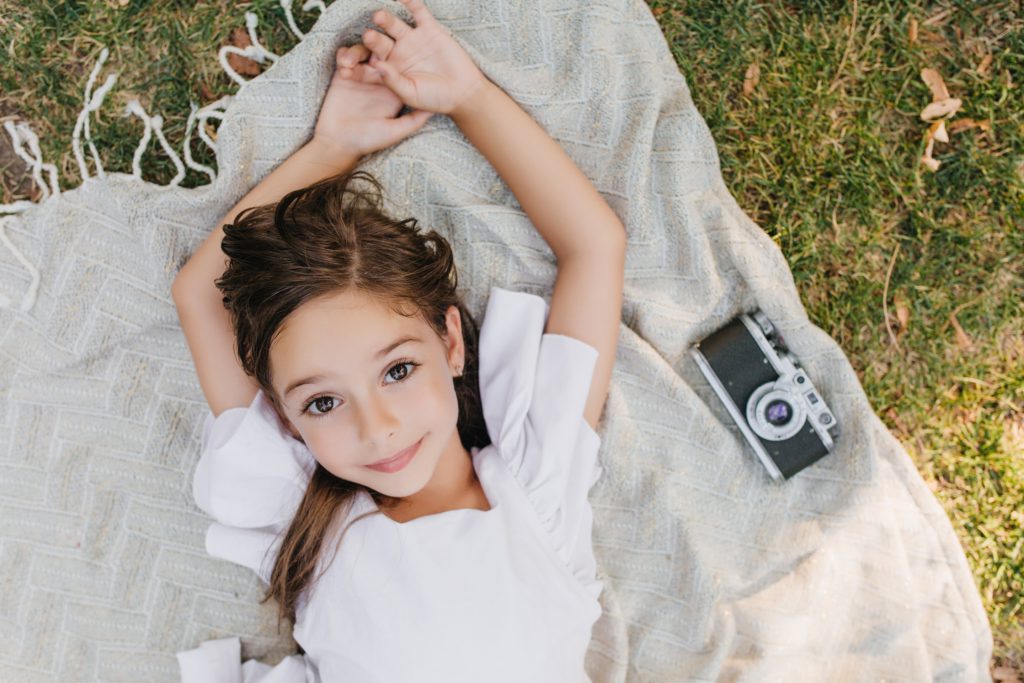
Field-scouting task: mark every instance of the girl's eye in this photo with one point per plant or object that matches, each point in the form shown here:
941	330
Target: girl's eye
324	404
401	364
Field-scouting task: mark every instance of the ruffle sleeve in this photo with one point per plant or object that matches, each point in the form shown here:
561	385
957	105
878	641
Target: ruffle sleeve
251	476
533	388
218	661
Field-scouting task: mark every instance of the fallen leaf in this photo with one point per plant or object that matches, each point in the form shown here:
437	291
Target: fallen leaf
934	81
239	37
902	313
211	131
242	65
930	162
751	78
967	124
205	93
938	130
962	340
937	110
986	62
912	31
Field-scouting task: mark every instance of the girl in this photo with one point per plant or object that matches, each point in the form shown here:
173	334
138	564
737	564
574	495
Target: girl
362	402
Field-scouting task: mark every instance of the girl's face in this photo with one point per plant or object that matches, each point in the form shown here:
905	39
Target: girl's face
356	392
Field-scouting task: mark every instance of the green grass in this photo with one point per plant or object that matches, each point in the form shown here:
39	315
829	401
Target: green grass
823	155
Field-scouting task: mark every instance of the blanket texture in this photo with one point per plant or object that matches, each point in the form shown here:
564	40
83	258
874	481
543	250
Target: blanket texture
850	571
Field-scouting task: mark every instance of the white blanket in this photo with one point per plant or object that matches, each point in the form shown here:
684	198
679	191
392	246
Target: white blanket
849	571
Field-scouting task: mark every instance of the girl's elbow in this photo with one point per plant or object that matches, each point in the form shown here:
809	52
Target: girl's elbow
182	288
617	236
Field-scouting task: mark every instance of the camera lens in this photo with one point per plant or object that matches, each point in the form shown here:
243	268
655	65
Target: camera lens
778	412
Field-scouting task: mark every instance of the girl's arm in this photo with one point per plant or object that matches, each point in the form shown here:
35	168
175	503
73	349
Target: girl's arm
428	69
204	320
588	239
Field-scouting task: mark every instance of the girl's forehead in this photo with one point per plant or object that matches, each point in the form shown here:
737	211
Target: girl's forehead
355	322
351	306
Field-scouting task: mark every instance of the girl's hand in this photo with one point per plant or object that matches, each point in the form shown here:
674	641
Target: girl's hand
357	116
423	65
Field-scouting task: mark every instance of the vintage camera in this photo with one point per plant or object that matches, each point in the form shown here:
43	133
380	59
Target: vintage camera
780	413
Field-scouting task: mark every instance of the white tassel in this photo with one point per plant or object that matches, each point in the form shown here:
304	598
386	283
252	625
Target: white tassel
17	206
92	103
286	5
252	52
158	126
21	133
88	96
202	131
133	107
211	110
251	22
189	161
255	51
153	124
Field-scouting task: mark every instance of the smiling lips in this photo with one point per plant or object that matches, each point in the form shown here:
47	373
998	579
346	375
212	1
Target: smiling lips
397	461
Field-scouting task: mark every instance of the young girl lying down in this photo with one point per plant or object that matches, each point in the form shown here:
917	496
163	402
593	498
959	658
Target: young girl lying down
413	490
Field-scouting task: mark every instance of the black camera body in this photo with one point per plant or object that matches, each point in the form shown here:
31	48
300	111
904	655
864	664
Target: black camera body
769	396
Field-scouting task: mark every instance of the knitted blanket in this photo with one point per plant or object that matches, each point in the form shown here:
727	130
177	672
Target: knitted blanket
849	571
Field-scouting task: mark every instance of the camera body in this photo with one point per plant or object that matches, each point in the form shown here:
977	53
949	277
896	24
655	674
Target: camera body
769	396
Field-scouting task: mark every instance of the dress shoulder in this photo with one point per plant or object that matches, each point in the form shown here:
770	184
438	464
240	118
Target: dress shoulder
533	388
252	474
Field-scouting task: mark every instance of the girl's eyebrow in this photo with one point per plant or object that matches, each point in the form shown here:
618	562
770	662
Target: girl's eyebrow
380	354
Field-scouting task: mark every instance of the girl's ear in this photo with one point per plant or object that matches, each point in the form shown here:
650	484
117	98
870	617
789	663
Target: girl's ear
456	345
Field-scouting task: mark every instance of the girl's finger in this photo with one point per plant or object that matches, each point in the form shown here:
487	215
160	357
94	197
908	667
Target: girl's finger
404	126
379	44
419	11
354	54
395	27
398	84
366	74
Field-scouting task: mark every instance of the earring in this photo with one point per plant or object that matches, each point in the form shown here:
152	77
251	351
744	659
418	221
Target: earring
458	371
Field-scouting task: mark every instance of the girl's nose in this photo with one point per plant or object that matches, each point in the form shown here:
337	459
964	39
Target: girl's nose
377	420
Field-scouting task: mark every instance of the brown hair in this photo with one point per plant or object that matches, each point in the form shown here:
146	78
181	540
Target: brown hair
334	236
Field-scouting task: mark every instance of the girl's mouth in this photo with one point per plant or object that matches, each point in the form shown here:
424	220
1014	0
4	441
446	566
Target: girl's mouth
398	461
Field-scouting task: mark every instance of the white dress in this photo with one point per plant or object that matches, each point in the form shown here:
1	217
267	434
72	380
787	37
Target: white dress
505	594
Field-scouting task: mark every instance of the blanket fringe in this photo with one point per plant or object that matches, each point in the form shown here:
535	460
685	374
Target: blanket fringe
22	134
